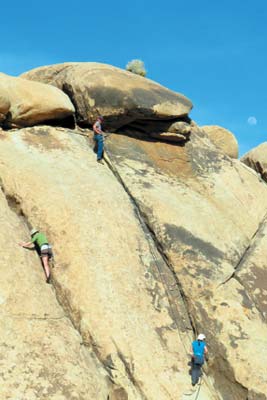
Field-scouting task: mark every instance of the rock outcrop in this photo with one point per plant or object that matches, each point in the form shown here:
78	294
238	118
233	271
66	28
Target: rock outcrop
25	103
257	160
206	211
121	97
167	239
108	274
159	243
223	139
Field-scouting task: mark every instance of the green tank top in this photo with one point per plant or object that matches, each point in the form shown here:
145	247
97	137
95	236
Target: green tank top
39	239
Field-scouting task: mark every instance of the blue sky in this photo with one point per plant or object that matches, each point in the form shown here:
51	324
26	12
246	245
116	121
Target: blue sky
213	52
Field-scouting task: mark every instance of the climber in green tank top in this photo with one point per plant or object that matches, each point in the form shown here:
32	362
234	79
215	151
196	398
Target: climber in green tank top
43	248
39	238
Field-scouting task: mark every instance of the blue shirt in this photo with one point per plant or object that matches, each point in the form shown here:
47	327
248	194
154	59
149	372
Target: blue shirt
199	349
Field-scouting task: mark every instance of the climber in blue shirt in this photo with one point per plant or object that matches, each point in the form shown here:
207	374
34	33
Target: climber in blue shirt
199	353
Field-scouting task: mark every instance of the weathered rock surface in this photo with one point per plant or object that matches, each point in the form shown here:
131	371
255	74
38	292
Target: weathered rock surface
41	354
257	160
252	271
223	139
109	273
158	242
205	210
120	96
25	103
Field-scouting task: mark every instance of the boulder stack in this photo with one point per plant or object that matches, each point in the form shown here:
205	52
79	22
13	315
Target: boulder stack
162	241
120	96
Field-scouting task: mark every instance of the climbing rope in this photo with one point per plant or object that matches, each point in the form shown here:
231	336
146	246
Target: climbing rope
154	256
148	237
199	387
152	251
198	390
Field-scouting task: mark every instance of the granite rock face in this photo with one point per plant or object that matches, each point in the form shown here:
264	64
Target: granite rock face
160	243
41	354
208	214
257	160
123	98
108	274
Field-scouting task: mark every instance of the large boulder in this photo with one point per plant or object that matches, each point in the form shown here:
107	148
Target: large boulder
25	103
120	96
257	160
223	139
